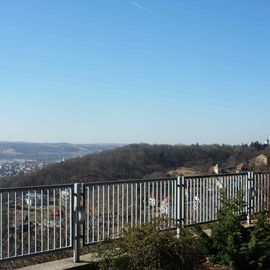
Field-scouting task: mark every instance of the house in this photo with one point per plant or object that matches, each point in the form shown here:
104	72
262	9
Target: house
32	199
165	206
241	168
215	169
65	194
259	161
152	201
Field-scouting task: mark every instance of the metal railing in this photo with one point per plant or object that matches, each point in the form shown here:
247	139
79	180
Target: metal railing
261	187
37	220
112	206
203	195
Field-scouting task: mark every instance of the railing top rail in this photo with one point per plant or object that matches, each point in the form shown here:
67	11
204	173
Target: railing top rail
127	181
35	187
215	175
122	181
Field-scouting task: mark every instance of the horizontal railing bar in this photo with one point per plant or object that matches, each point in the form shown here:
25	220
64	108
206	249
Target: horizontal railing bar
39	253
123	181
215	175
36	187
268	172
92	243
129	181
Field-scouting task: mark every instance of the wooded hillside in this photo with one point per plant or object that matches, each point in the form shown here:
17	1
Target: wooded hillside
138	161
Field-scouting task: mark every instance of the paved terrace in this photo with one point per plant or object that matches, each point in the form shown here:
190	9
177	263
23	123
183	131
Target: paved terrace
87	261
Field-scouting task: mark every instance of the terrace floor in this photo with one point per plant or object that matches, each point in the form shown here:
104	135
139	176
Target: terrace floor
88	261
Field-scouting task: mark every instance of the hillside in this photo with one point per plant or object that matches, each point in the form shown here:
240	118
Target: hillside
48	151
137	161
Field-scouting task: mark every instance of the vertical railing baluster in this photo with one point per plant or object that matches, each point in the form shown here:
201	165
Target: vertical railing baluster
266	191
35	222
197	200
136	204
207	190
22	217
131	204
48	219
113	212
127	200
178	205
41	220
156	198
88	216
140	204
169	203
28	220
1	225
188	202
262	193
118	209
108	209
66	219
98	214
54	220
194	200
154	201
263	190
123	202
258	180
216	205
93	214
165	205
209	195
200	200
144	202
161	202
60	218
103	212
148	211
213	200
15	224
8	236
70	215
175	199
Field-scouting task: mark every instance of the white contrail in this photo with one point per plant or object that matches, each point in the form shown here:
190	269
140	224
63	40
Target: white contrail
144	9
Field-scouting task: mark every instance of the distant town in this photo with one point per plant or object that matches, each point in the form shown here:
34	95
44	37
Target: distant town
20	158
20	167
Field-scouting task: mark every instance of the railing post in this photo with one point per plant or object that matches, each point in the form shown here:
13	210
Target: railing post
180	203
78	200
250	195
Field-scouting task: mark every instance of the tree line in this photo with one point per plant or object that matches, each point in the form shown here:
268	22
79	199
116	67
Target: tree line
137	161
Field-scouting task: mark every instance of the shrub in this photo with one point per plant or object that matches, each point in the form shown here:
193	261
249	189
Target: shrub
232	244
227	233
149	248
256	251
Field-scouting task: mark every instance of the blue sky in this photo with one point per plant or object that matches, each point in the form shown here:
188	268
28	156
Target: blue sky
155	71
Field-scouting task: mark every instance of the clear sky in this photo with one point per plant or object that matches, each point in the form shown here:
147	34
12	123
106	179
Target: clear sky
155	71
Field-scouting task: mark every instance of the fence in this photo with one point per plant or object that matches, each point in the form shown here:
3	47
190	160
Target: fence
37	220
111	206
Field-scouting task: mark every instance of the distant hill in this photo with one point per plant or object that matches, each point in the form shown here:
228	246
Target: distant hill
138	161
49	151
